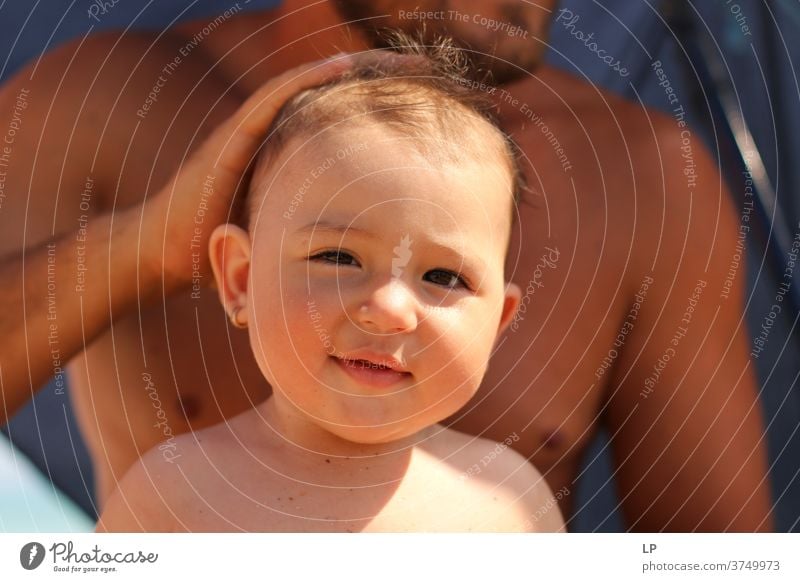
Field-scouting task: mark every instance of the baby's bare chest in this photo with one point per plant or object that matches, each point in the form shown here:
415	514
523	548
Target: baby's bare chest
424	497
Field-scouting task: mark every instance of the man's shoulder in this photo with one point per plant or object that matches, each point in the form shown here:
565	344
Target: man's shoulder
591	108
94	61
642	152
126	76
114	100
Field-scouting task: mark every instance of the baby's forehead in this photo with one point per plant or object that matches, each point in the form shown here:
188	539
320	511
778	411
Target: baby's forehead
356	172
366	150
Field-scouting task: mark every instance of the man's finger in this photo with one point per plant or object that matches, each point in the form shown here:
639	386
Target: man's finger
257	113
235	141
232	145
260	109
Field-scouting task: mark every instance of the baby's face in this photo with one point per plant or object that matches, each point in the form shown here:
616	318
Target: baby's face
376	287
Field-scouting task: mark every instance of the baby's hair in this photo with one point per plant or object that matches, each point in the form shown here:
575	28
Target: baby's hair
424	96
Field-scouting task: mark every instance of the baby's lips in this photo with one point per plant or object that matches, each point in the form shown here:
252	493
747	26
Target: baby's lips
376	359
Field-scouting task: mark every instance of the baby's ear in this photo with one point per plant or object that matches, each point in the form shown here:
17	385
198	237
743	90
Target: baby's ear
229	253
511	302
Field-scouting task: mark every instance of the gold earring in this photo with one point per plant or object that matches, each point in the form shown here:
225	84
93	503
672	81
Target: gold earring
235	319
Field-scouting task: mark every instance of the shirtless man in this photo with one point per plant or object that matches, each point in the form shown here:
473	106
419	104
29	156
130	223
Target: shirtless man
630	317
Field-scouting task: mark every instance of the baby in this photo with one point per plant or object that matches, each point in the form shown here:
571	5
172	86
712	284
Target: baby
370	276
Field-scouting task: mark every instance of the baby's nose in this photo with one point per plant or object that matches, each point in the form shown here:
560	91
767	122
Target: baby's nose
390	308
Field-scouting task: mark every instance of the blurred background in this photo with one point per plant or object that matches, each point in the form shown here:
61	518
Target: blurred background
738	62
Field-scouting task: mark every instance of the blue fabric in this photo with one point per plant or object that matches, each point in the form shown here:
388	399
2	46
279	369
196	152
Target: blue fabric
29	28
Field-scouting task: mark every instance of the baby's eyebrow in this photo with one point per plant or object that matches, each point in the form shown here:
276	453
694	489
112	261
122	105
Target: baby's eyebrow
332	228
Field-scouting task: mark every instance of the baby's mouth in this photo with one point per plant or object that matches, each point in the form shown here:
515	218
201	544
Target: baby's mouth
374	374
366	364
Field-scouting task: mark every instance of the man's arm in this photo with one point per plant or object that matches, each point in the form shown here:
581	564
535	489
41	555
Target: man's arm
53	309
687	428
51	315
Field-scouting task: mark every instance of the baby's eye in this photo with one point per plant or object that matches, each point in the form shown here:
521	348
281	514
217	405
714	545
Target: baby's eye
334	257
445	278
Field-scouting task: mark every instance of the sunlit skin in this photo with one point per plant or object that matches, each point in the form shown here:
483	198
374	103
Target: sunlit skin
620	214
354	454
325	274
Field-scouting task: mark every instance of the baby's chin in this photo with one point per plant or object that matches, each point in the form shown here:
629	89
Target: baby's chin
375	435
372	436
377	429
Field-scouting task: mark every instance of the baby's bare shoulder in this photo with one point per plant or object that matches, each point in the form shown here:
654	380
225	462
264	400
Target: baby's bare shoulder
147	498
176	484
498	489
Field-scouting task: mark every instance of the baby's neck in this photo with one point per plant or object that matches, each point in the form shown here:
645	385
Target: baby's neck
305	438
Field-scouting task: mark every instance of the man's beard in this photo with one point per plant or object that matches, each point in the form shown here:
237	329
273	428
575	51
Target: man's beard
375	23
502	71
371	21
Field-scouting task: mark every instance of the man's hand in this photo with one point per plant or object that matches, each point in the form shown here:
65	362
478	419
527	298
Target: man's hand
176	223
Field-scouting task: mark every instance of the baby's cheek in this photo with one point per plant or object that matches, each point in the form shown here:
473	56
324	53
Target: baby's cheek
274	324
452	384
470	350
457	361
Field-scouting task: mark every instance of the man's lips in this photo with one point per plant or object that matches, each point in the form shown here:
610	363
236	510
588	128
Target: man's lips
372	373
